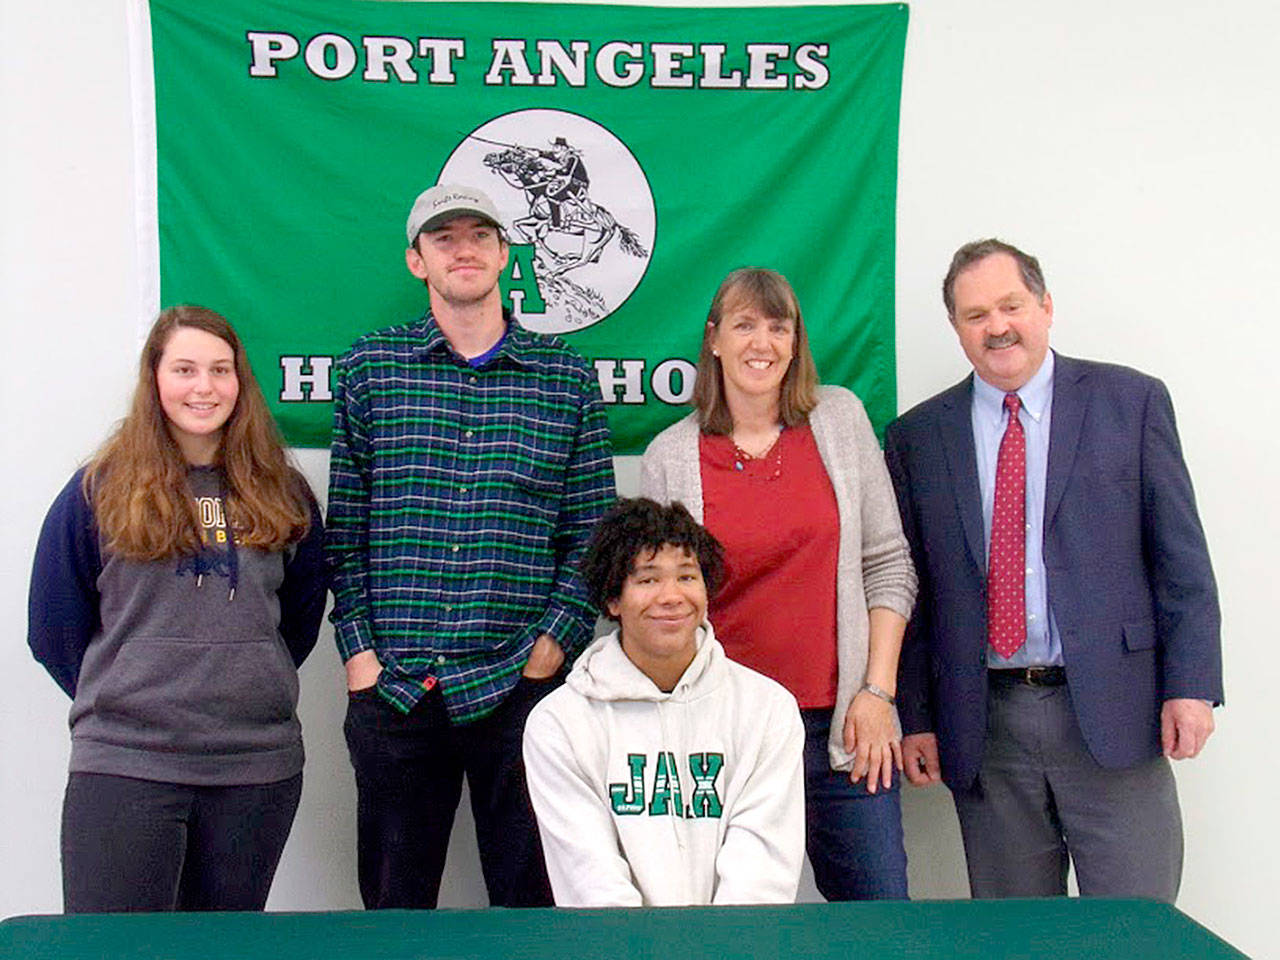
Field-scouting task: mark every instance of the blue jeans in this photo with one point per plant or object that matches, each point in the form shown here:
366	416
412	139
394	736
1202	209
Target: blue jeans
853	838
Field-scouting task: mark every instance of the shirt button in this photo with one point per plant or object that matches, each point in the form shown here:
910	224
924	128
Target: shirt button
1028	526
469	434
463	489
441	660
471	380
454	548
1031	618
448	608
1030	572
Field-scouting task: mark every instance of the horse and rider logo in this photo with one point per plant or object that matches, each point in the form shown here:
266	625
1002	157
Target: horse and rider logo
557	190
576	196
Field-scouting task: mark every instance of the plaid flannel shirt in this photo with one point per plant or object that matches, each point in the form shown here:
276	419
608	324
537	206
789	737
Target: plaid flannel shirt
460	500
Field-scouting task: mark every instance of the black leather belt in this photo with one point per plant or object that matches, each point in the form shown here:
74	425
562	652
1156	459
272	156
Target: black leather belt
1033	676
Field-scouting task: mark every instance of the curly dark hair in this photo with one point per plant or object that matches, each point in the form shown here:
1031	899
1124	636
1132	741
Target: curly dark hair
640	525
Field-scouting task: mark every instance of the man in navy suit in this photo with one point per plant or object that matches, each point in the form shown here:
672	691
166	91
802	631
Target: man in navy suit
1065	644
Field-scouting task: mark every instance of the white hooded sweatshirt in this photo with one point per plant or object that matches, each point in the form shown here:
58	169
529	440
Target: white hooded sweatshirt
647	798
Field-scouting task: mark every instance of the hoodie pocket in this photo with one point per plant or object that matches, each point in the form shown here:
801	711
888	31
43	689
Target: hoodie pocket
196	695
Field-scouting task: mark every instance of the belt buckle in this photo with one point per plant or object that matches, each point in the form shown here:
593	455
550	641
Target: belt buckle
1034	676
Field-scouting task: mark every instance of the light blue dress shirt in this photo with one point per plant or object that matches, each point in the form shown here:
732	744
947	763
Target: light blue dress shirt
1043	646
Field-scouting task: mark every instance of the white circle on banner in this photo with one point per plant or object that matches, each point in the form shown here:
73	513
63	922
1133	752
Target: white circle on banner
576	194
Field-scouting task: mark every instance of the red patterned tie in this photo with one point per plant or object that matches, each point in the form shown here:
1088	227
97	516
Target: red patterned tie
1007	569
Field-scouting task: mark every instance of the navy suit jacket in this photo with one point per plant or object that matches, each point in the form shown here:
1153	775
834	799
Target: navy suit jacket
1130	583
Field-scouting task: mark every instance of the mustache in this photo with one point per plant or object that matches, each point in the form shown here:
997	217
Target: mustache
1006	339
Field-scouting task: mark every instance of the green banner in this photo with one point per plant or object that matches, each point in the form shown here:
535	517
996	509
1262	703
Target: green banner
637	154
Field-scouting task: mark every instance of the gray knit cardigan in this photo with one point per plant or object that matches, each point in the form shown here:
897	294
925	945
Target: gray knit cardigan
874	567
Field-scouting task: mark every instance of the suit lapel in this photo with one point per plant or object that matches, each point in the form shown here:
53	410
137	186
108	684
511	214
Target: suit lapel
955	422
1070	398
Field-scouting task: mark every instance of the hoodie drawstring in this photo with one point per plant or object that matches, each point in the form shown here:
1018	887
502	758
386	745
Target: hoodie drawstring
233	561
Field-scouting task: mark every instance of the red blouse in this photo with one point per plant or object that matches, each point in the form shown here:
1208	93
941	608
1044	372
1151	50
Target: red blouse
780	527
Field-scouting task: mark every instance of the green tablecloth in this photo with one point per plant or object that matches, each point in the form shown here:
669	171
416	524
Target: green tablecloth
1059	929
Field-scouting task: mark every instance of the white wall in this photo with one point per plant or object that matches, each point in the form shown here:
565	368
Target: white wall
1132	146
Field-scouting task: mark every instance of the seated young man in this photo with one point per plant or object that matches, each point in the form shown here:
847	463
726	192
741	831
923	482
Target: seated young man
663	773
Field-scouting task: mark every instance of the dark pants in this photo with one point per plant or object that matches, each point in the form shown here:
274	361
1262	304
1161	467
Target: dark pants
409	771
1040	799
853	838
138	845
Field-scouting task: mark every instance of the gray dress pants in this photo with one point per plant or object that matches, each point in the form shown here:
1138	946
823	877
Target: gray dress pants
1040	798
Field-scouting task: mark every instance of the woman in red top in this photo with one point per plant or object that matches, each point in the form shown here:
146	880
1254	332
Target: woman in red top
790	479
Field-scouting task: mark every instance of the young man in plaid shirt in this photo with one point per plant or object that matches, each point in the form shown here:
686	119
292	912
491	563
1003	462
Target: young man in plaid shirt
470	461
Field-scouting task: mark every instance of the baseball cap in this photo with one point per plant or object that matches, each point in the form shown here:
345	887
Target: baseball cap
438	205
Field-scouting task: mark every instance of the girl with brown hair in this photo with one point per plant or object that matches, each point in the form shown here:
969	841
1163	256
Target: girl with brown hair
178	583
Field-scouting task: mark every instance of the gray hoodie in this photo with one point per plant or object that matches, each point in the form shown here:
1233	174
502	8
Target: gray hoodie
189	674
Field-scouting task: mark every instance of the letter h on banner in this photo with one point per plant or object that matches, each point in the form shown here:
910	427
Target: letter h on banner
315	380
